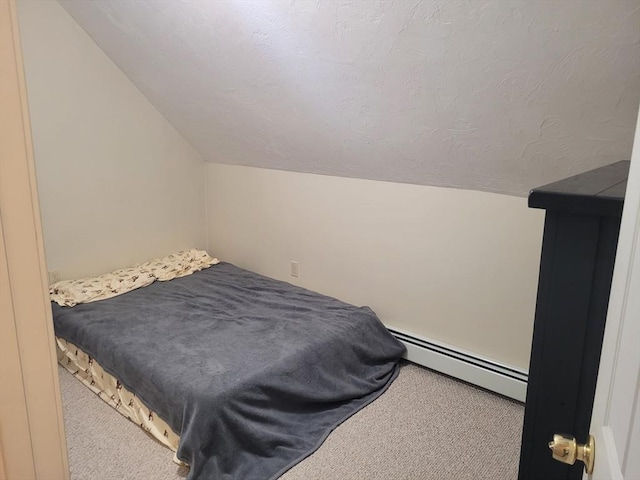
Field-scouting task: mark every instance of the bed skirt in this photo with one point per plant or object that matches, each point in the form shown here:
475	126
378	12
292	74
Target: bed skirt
114	394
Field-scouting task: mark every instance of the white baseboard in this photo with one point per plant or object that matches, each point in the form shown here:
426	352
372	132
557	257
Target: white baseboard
503	379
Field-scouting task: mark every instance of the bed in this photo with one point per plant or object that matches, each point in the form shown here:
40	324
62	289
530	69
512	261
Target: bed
242	375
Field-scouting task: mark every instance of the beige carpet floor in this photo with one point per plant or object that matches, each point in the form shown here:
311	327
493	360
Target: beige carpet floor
426	426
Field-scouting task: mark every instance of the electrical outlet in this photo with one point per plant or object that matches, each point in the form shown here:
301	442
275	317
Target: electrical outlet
294	268
54	276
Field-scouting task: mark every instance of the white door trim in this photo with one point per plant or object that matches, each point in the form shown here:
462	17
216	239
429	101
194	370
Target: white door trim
32	435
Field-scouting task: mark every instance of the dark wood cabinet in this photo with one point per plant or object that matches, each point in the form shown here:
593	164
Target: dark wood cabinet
578	251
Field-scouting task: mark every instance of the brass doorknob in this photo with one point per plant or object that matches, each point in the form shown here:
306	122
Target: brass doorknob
565	449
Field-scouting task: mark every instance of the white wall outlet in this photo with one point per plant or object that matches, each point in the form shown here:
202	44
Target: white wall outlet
54	276
294	268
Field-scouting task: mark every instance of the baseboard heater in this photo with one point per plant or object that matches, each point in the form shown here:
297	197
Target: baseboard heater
488	374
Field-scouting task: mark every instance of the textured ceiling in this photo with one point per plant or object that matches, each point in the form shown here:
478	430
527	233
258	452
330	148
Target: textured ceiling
489	95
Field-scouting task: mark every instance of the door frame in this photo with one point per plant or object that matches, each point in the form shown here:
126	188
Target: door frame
32	437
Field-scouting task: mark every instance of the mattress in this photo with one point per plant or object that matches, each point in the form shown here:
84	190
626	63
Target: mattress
110	390
250	373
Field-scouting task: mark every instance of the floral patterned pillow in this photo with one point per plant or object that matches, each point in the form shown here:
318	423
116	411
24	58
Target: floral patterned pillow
68	293
179	264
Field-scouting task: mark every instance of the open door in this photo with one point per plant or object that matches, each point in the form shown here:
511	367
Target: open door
615	422
579	258
582	224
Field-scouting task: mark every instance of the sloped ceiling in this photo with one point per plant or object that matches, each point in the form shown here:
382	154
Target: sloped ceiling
489	95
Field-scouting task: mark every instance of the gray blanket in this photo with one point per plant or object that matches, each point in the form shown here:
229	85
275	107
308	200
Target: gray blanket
252	373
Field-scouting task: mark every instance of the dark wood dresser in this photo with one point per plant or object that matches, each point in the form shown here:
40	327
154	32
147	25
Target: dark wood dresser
581	229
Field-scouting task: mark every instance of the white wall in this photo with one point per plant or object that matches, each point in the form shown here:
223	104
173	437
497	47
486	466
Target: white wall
117	183
456	266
